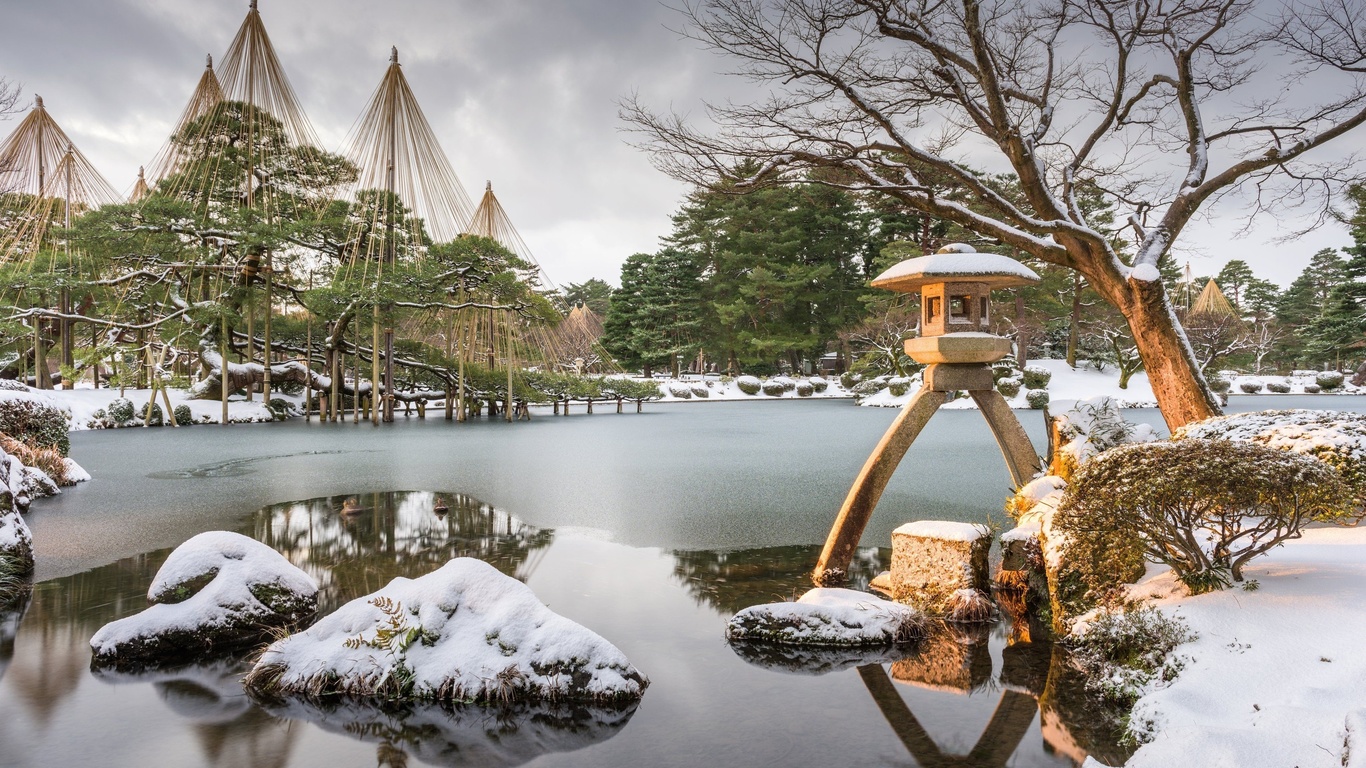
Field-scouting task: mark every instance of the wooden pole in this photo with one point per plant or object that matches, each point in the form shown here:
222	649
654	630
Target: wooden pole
265	381
223	366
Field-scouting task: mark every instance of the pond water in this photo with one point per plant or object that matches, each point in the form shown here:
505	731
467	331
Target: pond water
650	529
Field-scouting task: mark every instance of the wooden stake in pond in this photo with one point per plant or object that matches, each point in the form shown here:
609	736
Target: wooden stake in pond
223	366
355	381
265	381
374	365
507	404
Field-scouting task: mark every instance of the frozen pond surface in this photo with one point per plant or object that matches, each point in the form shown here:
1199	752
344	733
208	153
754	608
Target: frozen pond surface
650	529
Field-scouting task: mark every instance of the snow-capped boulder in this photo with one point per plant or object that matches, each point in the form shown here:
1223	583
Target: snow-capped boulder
217	591
16	546
465	632
829	616
465	734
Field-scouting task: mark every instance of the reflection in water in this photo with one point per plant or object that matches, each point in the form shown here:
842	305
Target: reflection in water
230	730
463	734
11	613
356	544
1036	681
732	580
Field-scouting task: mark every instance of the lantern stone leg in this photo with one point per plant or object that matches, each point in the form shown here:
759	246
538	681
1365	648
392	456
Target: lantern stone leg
833	566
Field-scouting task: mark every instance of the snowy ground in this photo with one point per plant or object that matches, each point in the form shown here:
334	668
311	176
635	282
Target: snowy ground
84	403
1276	677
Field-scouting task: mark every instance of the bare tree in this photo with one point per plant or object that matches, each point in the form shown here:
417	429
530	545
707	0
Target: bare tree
1165	107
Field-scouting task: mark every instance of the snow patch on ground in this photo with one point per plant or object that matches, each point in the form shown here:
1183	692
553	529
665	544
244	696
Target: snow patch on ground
723	388
465	632
943	529
829	616
1277	674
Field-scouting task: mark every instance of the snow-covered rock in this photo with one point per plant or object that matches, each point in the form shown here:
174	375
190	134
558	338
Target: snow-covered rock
219	590
465	632
464	735
829	616
11	614
16	544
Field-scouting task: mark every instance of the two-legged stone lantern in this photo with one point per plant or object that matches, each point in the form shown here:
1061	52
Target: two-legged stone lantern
958	347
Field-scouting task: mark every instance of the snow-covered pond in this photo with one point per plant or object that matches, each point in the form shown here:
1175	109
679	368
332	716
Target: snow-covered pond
650	529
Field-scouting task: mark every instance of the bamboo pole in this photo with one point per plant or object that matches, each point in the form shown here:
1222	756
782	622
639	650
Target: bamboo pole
223	367
374	367
265	383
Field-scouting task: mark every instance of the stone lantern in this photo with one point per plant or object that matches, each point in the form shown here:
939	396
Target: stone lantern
957	346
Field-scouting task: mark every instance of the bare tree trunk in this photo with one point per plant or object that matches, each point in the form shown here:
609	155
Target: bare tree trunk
1176	379
1074	328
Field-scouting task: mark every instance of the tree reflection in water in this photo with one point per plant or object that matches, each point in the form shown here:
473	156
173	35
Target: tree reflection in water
11	613
354	545
731	580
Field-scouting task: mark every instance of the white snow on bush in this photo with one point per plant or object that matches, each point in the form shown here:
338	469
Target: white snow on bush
1041	487
1299	430
1024	532
465	632
211	589
1089	427
944	530
829	616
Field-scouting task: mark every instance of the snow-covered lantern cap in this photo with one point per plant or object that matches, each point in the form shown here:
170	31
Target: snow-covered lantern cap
954	285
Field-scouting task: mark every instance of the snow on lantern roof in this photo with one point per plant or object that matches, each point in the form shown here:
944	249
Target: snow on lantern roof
955	262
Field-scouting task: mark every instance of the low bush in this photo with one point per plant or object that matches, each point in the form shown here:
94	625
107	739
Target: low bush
1250	386
788	383
773	388
818	383
1219	385
1337	438
1002	371
680	390
35	423
1279	387
870	386
848	379
1203	507
280	409
1312	389
898	386
49	460
1036	377
155	418
183	415
1329	380
13	385
749	385
1037	399
1008	387
121	411
699	391
804	389
1123	652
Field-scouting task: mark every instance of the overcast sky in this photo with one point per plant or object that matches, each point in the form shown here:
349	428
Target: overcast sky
523	93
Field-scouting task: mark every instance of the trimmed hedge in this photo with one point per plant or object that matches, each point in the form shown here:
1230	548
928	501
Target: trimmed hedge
1037	399
36	424
1036	377
749	385
1250	387
1329	380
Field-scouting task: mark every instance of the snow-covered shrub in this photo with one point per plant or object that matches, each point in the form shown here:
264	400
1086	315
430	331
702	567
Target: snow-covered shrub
16	545
870	386
465	632
848	379
154	416
37	423
773	388
1312	389
804	389
1008	387
217	591
1279	387
818	383
183	415
1037	398
121	411
680	390
699	391
898	386
1250	386
1003	371
1337	438
1036	377
13	385
280	409
829	616
1329	380
1203	507
749	385
1123	653
788	383
1219	385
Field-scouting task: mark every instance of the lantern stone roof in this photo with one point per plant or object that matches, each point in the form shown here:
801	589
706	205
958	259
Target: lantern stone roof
957	262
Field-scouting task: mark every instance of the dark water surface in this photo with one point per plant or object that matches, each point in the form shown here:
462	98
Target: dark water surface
650	529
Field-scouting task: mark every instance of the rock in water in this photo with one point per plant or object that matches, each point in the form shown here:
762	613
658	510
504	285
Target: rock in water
217	591
829	616
464	632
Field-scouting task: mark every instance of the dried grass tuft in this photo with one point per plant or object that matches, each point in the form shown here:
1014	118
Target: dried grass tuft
970	606
49	460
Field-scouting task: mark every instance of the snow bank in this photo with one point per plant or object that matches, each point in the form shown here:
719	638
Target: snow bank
829	616
1276	675
465	735
16	546
218	590
464	632
751	388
